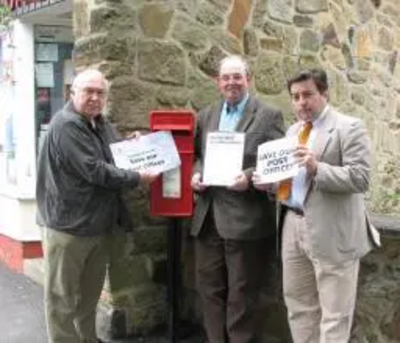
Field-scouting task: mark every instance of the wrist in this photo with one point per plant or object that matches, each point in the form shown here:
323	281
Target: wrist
315	171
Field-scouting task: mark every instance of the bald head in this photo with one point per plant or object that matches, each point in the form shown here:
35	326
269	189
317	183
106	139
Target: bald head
234	61
89	90
88	75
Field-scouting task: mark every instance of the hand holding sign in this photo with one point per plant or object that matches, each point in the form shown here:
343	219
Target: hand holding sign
147	177
240	183
265	187
306	158
196	183
134	134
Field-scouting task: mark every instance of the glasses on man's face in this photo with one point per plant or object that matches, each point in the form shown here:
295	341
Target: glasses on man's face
101	93
232	77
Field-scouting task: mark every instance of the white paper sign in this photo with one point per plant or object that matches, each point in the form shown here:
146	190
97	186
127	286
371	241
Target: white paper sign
171	184
275	160
155	152
47	52
45	75
224	158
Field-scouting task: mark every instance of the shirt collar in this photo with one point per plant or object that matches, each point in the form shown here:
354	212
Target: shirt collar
238	107
318	121
320	118
92	123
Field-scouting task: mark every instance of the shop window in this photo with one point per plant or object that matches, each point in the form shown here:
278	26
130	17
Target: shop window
7	113
53	77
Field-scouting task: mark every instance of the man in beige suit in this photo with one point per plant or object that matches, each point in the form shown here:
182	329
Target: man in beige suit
232	225
323	222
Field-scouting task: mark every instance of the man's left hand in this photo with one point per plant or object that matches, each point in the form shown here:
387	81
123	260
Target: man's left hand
306	158
133	135
241	183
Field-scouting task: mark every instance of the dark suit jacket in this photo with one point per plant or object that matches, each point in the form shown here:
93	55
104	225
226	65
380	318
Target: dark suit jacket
238	215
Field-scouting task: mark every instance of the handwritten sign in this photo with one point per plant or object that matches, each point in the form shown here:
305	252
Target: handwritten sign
275	160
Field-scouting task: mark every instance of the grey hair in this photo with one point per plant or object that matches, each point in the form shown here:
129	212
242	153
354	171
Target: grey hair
85	74
237	58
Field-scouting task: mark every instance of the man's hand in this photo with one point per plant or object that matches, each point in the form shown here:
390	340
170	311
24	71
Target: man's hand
134	134
306	158
196	183
240	184
266	187
147	177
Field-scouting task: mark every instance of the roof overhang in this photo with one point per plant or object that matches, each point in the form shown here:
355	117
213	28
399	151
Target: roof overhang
47	12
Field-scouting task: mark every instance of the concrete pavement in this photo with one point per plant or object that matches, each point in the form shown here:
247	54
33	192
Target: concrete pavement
21	309
22	316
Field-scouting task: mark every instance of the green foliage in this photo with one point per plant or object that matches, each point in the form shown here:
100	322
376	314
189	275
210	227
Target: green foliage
6	16
385	201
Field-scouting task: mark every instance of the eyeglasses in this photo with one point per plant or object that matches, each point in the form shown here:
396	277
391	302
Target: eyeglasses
233	77
101	93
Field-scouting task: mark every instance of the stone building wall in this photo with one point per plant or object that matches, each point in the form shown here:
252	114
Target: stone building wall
163	54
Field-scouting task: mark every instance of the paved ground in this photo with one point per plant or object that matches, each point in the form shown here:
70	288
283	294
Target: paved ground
21	309
21	312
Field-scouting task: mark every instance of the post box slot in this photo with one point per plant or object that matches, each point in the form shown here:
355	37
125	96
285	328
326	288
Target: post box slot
176	128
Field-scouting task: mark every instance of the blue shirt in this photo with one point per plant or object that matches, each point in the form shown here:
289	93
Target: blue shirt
298	191
230	116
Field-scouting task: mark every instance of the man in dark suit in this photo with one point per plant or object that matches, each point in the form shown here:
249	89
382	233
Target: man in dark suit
231	225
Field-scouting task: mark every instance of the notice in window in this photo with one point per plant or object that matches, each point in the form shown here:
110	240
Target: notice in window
46	52
44	75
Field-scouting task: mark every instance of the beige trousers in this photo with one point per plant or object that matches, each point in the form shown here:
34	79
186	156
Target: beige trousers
75	270
320	296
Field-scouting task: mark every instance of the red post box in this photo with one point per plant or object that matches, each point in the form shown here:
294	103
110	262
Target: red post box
177	202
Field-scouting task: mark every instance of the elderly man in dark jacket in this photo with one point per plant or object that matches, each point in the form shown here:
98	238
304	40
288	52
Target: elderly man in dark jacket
79	203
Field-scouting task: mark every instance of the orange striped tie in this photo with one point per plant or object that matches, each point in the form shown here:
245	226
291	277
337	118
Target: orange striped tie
285	186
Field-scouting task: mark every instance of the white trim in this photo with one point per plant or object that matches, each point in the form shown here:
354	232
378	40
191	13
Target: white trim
18	220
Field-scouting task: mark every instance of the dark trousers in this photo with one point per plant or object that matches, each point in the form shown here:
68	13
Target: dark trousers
230	275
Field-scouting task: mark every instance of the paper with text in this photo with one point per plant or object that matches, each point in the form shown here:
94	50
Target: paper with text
155	152
224	158
275	160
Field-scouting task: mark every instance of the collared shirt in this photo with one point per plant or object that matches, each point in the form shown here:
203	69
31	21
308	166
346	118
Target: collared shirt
231	115
298	192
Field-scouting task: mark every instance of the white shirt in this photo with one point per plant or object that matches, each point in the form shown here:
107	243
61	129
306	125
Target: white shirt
298	190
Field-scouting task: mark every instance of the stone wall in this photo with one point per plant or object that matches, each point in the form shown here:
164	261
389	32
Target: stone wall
377	317
163	54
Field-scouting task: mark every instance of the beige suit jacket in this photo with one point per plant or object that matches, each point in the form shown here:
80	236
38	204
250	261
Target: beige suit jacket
334	206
